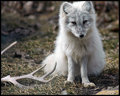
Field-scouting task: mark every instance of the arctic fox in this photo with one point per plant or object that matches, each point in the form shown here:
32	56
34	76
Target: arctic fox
78	48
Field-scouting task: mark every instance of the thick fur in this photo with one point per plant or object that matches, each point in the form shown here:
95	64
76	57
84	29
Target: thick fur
68	44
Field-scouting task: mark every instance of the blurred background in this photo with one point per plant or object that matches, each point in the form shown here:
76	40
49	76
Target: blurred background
34	24
22	18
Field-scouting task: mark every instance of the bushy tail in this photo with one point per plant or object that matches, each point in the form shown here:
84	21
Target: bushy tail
51	60
50	63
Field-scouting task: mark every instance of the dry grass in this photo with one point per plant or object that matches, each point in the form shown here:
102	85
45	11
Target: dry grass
38	47
16	66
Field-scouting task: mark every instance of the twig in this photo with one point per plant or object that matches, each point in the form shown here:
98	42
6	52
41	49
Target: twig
8	47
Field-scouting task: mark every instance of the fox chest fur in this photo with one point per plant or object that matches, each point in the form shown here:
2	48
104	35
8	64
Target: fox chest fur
76	47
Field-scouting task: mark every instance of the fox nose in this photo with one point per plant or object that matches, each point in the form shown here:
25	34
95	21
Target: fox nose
81	36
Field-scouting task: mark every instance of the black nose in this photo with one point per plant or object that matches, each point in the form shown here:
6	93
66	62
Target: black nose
81	36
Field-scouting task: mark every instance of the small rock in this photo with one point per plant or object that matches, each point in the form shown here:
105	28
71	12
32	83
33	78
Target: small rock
27	56
64	92
108	92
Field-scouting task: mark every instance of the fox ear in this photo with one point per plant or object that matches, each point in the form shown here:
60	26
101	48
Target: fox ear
87	6
67	7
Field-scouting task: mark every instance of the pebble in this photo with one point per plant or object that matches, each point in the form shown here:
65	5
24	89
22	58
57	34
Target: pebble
108	92
64	92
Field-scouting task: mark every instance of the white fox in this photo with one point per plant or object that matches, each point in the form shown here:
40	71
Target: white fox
78	48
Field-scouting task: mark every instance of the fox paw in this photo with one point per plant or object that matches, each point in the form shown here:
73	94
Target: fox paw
90	84
68	82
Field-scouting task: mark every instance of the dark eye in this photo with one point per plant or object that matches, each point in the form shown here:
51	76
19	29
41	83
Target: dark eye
85	21
74	23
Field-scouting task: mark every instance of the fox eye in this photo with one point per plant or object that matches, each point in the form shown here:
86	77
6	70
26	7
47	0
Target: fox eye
85	21
74	23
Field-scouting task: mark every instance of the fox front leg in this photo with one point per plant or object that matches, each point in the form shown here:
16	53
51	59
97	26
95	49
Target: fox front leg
84	74
71	70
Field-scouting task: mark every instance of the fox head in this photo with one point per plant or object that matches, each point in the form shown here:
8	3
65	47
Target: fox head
78	17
